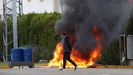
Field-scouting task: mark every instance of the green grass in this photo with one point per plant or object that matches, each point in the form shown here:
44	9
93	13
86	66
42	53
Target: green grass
3	64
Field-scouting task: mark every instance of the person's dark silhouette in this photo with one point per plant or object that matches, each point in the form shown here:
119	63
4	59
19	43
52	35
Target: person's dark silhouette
67	52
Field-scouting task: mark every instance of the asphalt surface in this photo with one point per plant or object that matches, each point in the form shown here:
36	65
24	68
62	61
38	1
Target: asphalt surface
55	71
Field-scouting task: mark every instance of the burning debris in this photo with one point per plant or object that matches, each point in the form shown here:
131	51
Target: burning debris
91	24
81	59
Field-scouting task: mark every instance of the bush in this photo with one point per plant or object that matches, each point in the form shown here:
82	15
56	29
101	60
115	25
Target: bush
38	30
111	54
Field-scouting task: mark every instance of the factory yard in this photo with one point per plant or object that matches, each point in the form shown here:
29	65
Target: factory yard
55	71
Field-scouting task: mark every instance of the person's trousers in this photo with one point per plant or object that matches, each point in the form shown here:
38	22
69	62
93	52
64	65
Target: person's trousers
67	57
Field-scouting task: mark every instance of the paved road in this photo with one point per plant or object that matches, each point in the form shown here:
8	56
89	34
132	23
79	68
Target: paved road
55	71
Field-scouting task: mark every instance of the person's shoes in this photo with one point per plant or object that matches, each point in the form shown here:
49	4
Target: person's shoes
75	67
62	69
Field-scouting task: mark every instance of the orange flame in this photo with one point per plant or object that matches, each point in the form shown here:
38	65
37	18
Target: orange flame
76	56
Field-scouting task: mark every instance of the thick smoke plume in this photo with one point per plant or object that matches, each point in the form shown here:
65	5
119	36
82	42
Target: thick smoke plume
80	16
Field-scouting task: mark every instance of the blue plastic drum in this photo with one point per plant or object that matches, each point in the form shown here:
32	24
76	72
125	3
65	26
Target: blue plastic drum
16	55
27	54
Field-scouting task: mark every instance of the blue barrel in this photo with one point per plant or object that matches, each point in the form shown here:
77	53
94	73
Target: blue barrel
27	54
16	54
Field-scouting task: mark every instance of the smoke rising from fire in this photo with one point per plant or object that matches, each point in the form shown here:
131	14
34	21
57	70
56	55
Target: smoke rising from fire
80	16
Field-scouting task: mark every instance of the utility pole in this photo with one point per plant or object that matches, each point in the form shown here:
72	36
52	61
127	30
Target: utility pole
62	7
11	9
15	37
5	29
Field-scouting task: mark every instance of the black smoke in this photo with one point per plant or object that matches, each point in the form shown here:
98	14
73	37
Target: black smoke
80	16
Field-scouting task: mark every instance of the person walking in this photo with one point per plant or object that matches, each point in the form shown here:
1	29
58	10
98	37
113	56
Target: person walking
67	52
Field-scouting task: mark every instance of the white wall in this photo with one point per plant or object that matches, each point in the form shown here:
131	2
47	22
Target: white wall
57	6
38	6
